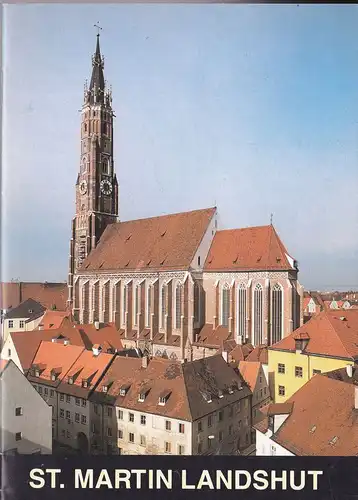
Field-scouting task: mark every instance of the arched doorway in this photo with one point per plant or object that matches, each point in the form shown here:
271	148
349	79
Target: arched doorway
82	443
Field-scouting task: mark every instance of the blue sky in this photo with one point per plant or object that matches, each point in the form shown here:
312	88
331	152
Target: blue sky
250	107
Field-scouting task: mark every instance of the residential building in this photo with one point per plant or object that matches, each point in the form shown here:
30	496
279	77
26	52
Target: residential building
16	319
25	416
327	342
320	419
253	374
161	406
177	286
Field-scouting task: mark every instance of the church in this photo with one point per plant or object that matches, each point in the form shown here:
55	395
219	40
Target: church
176	285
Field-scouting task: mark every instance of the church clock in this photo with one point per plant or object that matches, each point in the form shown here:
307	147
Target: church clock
106	187
83	187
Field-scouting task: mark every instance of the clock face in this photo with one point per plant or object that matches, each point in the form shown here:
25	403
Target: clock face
106	187
83	187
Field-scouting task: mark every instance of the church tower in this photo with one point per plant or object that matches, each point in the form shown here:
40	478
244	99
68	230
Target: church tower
96	186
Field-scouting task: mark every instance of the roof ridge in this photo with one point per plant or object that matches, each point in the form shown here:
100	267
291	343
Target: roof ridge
326	315
165	215
241	228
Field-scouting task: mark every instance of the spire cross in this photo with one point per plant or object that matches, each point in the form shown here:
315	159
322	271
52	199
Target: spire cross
98	27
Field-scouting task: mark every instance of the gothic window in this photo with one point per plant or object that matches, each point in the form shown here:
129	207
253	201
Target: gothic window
149	306
125	291
163	306
225	305
105	168
241	310
277	313
196	302
258	315
85	127
136	304
178	304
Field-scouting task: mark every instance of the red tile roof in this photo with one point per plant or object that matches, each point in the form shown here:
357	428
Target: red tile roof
54	319
50	356
248	248
107	336
332	333
241	352
259	354
165	242
212	337
323	421
48	294
250	372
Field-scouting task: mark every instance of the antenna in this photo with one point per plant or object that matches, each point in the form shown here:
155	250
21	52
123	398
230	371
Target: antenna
271	219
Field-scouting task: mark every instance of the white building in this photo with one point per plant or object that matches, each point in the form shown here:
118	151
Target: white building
26	417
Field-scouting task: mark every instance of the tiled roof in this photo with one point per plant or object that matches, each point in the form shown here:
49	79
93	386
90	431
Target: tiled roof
260	354
165	242
53	356
332	333
186	384
323	421
48	294
343	375
212	337
250	372
107	336
87	367
3	365
54	319
248	248
241	352
28	308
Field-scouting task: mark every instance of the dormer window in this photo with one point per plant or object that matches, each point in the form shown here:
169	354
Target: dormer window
163	398
53	377
70	380
231	389
220	393
104	388
37	373
207	397
85	383
123	390
142	395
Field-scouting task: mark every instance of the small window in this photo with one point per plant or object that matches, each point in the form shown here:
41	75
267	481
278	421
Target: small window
210	420
131	437
109	432
281	368
199	260
143	419
181	428
142	440
22	323
77	400
83	419
180	449
84	402
120	414
62	413
11	323
77	418
200	426
9	352
221	416
52	393
298	371
46	391
168	425
68	414
120	434
168	447
68	399
281	390
109	412
131	417
18	436
209	443
40	389
62	397
18	411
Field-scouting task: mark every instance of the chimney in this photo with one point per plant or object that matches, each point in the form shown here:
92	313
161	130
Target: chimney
225	356
41	327
144	361
96	325
349	369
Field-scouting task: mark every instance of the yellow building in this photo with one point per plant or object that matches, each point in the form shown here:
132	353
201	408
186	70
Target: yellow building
326	342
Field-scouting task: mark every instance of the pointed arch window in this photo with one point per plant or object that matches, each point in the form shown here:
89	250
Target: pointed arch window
125	293
276	313
136	304
196	302
148	306
225	305
163	307
178	304
241	310
258	314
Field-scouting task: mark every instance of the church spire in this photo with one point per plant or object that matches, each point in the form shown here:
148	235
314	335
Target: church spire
96	91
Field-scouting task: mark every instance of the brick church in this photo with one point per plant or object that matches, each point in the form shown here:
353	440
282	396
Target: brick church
175	285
